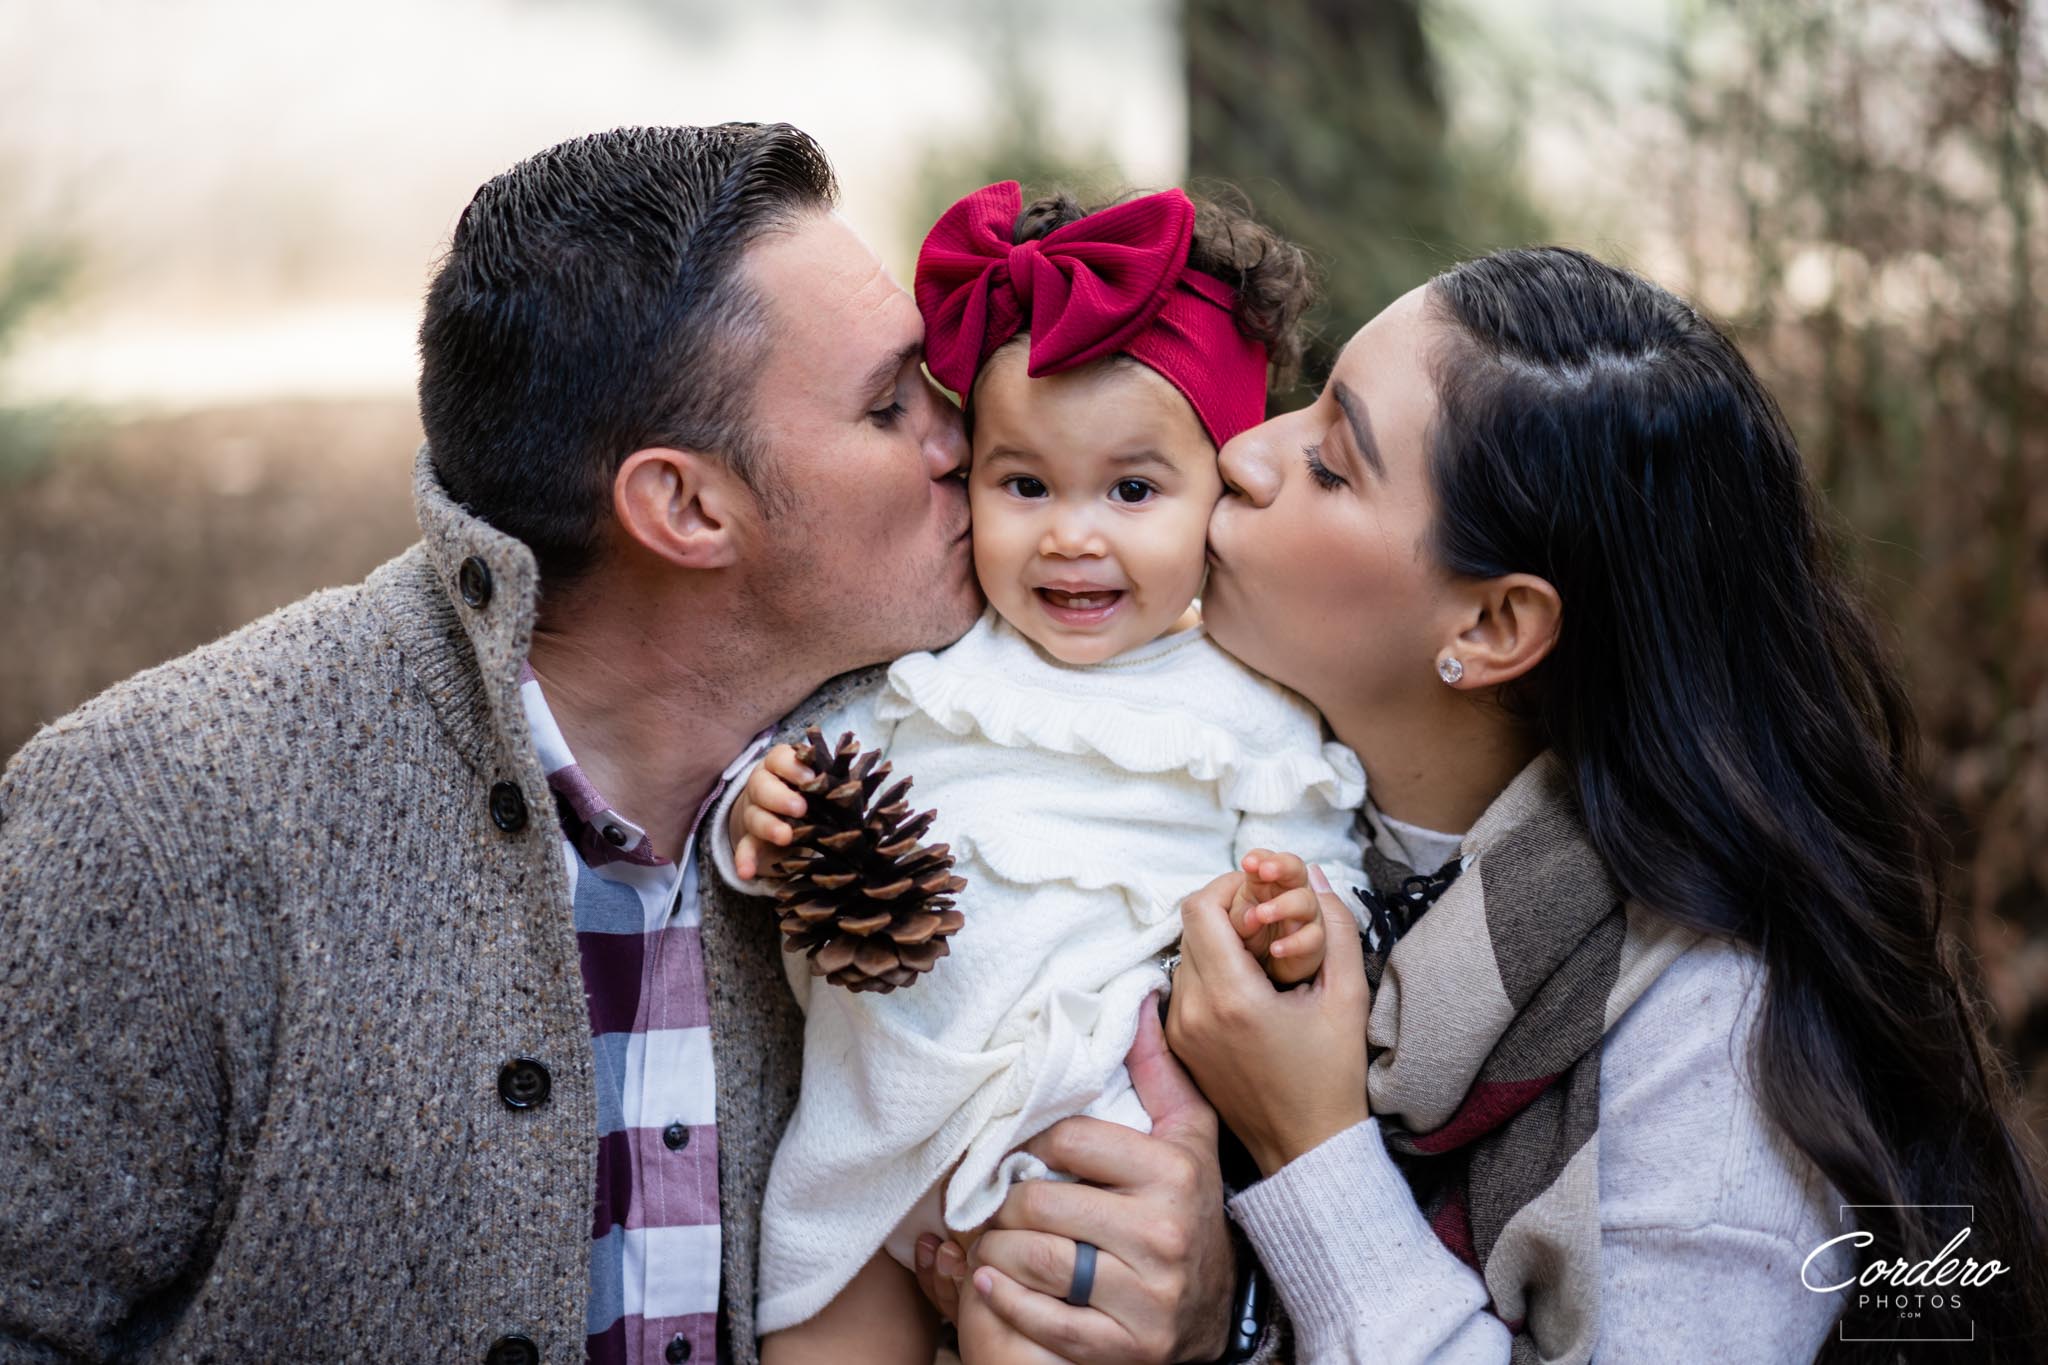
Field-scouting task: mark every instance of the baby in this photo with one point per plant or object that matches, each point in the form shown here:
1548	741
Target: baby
1092	756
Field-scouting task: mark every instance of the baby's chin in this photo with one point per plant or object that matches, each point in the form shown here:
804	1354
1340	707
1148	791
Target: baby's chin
1081	652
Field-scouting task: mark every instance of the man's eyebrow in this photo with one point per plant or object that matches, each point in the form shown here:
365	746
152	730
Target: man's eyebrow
889	367
1361	427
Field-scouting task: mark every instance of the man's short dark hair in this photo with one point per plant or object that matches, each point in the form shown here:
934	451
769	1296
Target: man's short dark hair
590	305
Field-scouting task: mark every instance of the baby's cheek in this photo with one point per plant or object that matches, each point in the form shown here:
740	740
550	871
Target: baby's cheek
1179	549
998	548
1003	551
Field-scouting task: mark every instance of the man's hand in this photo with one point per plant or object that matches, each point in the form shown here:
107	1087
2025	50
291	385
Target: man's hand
755	827
1151	1204
1277	914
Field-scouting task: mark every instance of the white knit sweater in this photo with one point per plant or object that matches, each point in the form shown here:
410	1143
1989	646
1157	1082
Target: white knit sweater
1082	804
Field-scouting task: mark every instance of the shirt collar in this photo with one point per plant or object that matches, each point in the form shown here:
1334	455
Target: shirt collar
600	834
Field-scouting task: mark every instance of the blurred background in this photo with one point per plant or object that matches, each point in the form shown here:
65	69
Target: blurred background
217	219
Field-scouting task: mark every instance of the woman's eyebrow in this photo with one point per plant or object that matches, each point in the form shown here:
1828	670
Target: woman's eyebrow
1361	427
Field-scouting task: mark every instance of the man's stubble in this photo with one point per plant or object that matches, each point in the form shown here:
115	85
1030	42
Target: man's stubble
824	612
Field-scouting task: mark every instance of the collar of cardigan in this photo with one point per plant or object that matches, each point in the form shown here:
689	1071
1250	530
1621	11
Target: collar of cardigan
464	635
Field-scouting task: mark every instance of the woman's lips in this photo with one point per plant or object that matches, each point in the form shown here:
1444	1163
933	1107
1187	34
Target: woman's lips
1088	608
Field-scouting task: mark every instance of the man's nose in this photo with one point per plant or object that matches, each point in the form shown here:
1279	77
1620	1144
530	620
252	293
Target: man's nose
1249	462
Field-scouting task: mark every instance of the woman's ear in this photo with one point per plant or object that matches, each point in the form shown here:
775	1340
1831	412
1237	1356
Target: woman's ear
1513	625
680	505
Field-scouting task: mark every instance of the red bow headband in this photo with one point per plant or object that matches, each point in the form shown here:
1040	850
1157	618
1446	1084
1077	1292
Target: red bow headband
1117	280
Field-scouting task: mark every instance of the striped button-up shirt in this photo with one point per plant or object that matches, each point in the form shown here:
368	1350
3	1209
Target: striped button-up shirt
654	1262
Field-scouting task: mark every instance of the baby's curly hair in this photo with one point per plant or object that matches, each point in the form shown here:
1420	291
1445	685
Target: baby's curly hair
1274	282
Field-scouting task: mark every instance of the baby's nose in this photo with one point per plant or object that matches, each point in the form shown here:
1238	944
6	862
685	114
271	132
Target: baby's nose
1070	533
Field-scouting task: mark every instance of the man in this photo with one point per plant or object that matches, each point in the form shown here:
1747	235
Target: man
338	951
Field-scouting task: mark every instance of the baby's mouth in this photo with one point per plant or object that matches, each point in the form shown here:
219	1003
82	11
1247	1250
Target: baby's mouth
1080	610
1081	601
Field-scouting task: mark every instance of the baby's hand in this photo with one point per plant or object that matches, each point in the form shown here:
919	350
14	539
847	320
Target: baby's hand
1279	917
757	822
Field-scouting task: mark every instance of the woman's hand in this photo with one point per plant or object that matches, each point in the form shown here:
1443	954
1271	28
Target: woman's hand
1285	1069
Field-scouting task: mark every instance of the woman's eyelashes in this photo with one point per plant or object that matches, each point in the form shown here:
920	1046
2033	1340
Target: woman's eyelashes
1324	476
888	415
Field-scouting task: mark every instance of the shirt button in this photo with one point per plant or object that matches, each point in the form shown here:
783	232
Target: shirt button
678	1349
508	807
524	1083
513	1349
677	1137
474	580
615	836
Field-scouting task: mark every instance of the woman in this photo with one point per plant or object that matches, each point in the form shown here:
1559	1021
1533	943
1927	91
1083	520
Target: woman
1665	988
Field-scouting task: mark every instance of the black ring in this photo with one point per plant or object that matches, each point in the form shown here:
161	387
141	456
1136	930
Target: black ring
1084	1274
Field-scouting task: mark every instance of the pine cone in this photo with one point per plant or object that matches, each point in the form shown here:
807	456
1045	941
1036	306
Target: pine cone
869	904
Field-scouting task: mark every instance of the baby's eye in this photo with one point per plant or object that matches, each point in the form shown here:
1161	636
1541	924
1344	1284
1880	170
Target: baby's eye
1131	490
1024	486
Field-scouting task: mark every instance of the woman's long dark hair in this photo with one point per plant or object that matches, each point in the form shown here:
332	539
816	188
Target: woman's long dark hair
1743	748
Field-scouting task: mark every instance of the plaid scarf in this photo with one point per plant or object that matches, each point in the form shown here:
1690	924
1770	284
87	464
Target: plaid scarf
1494	981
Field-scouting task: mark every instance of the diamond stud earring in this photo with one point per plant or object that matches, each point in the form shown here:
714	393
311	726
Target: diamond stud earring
1450	670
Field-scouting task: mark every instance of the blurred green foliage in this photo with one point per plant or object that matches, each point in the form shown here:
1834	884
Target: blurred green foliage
34	277
37	274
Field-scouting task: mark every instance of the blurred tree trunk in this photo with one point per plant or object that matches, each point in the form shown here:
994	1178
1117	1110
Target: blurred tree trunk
1232	50
1329	116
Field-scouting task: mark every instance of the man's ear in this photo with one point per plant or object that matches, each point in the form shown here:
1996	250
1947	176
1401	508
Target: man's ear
680	505
1512	623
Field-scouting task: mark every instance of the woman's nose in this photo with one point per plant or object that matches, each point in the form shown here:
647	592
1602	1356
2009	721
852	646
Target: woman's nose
1249	465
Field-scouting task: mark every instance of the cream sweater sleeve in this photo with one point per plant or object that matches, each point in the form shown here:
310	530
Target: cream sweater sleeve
1706	1212
1322	831
1321	837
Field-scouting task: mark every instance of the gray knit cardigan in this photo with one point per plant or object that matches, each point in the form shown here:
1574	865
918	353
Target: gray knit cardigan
265	950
